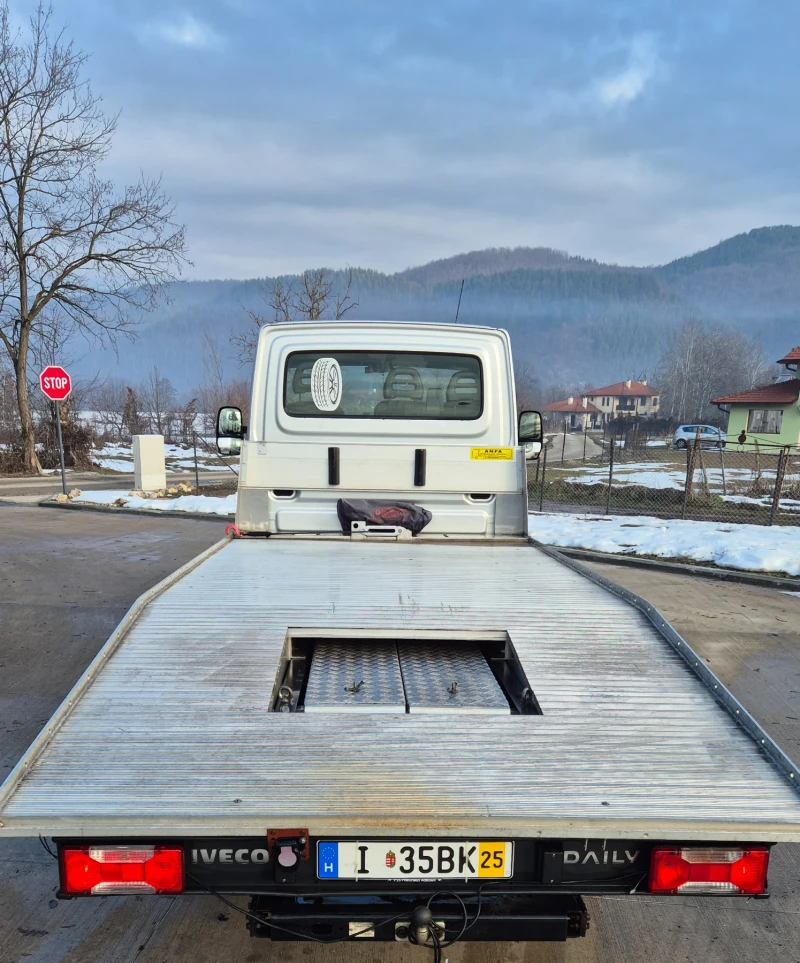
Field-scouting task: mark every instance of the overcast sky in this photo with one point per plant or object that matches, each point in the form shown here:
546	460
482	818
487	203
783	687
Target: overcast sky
297	133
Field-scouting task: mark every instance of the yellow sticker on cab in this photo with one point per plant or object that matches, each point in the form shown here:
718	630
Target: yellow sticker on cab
491	454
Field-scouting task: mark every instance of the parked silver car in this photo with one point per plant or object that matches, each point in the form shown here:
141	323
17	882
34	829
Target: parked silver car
710	437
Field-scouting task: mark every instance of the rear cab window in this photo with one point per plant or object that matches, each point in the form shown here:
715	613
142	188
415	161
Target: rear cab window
383	385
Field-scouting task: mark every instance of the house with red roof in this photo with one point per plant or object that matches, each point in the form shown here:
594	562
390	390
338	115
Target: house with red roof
768	414
595	407
578	413
625	399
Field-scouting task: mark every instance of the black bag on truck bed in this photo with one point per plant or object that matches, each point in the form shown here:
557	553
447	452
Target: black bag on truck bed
404	514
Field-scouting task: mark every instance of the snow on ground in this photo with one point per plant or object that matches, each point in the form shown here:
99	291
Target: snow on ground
627	475
183	503
119	457
751	547
658	476
113	464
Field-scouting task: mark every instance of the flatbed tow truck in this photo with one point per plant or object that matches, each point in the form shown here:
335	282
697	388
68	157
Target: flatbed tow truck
380	710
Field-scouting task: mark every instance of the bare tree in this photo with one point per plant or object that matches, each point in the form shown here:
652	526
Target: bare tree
187	418
160	403
73	250
9	416
705	361
308	297
108	400
528	385
211	391
216	390
132	420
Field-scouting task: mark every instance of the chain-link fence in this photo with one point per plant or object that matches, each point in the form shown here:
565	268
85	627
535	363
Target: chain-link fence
728	482
207	457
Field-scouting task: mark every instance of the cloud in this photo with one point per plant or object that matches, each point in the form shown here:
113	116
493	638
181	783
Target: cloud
622	88
386	201
183	31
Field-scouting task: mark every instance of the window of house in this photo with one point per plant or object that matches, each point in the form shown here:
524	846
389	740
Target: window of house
655	401
765	421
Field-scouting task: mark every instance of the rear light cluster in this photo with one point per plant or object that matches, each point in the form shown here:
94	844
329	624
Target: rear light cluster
117	870
722	871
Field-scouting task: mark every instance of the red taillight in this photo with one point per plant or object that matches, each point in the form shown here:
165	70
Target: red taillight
709	871
111	870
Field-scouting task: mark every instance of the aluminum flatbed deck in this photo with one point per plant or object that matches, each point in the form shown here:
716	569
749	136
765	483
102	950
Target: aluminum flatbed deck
170	730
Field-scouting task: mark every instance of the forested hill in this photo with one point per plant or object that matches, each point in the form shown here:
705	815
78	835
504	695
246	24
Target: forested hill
495	260
572	318
759	246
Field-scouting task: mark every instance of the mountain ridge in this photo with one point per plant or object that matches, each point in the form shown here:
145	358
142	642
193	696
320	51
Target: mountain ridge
570	318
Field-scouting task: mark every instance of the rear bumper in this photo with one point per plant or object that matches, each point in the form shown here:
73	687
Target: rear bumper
492	919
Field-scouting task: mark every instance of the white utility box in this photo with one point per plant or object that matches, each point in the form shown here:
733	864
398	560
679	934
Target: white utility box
149	468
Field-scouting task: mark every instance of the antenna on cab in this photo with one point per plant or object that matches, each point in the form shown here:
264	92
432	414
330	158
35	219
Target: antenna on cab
458	308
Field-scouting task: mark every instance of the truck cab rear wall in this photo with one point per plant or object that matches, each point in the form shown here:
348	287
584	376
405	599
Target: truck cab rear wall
378	467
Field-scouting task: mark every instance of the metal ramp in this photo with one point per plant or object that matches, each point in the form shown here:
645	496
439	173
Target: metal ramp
449	677
366	676
353	676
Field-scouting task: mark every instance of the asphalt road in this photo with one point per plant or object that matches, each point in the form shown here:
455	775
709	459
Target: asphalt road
66	579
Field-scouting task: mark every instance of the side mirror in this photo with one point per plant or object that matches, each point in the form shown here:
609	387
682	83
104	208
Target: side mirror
530	427
230	431
530	433
229	446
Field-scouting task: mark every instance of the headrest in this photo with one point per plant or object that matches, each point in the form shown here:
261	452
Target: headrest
463	386
301	379
404	383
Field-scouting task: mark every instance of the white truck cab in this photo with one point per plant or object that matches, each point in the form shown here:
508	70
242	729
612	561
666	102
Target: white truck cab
422	413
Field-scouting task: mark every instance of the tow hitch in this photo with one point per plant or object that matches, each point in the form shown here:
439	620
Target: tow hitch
443	918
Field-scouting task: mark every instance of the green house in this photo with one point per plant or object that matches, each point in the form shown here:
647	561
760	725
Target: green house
769	414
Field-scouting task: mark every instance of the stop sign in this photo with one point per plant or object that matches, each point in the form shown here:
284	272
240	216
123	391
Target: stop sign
55	382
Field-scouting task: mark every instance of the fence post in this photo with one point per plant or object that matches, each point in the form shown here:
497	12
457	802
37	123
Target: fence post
544	469
783	457
610	473
722	463
691	455
703	474
564	442
585	430
196	473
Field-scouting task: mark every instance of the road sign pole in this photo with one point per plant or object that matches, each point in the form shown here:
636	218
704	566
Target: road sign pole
60	448
56	386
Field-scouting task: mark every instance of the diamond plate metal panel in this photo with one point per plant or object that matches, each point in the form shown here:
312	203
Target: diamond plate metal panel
354	676
449	677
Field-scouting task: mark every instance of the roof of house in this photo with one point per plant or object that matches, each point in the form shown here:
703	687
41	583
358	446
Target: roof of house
571	404
791	357
622	388
779	393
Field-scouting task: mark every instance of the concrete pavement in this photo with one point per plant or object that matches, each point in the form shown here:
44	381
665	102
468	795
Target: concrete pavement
32	488
572	446
67	578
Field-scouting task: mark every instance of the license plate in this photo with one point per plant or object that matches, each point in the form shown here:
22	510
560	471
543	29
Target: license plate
388	859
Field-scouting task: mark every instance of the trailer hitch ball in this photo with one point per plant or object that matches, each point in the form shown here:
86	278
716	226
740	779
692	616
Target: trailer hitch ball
421	919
